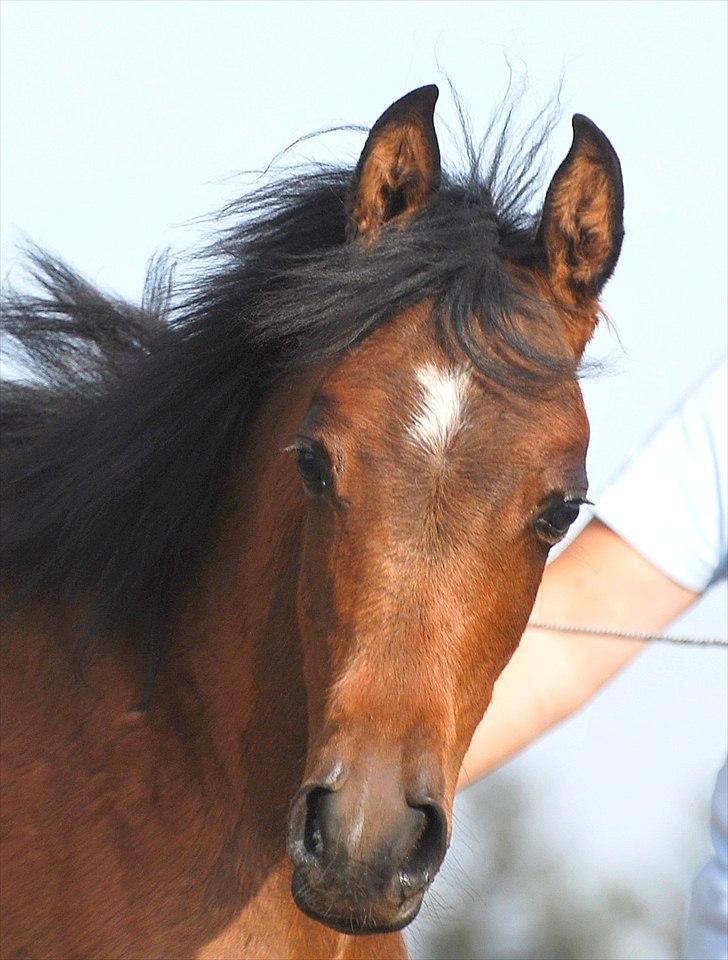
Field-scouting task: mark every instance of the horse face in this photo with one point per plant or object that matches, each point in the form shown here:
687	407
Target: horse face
433	498
432	501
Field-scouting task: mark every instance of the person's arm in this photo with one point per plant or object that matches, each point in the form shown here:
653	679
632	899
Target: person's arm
599	580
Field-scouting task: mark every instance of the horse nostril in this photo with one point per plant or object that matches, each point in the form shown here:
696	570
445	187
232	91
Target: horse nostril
313	840
429	852
305	835
308	818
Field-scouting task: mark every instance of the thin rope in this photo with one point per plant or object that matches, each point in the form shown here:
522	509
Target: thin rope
631	635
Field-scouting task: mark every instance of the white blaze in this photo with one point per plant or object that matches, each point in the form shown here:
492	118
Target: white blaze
441	410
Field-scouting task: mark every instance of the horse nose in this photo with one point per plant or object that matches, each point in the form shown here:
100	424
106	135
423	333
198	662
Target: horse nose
395	844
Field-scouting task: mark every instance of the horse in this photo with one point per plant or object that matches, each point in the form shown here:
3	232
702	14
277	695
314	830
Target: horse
269	539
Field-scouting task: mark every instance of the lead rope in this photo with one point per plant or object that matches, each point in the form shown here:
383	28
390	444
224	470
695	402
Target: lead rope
631	635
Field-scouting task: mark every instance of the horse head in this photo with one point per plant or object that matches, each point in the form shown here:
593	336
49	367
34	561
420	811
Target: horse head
434	493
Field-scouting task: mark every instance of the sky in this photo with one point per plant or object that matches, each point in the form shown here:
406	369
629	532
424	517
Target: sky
122	123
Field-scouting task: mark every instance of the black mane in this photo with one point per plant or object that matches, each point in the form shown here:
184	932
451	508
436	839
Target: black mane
117	456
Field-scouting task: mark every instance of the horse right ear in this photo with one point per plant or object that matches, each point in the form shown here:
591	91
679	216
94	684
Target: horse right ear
581	228
399	168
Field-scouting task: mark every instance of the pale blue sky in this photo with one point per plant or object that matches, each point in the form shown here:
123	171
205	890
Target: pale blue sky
121	121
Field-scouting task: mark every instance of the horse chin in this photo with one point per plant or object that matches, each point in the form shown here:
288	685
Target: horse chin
364	920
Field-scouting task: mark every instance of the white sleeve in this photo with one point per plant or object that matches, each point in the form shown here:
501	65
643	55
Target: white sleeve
669	502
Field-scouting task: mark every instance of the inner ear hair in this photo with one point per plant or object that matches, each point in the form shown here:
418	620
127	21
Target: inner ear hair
399	168
582	226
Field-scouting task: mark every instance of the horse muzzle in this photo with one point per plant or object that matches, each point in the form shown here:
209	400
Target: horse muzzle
364	851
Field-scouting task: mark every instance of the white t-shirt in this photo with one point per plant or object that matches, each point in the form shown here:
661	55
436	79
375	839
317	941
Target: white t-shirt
671	504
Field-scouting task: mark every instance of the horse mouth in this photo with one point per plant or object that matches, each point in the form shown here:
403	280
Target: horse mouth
361	920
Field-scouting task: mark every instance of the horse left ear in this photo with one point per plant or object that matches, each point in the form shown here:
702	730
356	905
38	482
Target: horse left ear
399	168
581	226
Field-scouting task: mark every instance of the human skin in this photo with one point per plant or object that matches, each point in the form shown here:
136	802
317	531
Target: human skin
599	580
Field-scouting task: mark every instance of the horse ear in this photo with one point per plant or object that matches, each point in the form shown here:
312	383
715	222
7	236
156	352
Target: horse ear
581	226
399	168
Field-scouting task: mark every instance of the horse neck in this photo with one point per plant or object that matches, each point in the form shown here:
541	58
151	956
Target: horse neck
235	676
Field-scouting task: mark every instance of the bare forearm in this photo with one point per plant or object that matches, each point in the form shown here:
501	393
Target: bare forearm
598	580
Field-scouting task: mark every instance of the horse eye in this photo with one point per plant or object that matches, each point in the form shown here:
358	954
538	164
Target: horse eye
553	524
315	470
